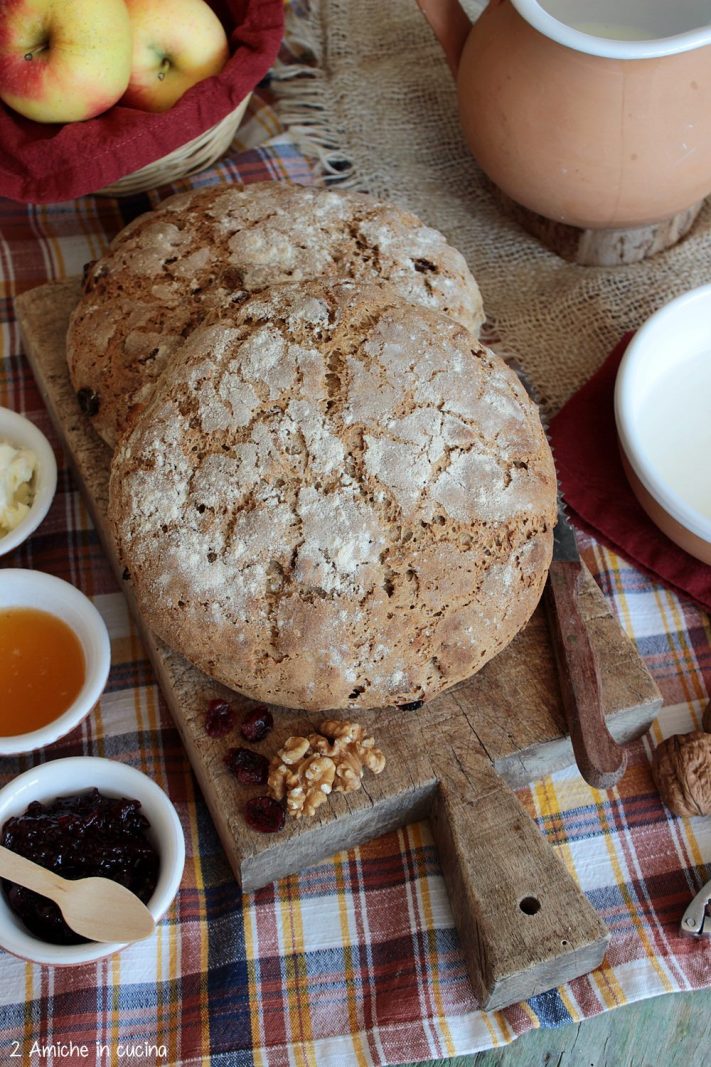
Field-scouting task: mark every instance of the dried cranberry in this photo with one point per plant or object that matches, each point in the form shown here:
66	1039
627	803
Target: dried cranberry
265	814
257	724
219	718
248	767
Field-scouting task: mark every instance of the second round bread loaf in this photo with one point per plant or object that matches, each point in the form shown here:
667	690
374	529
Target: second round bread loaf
200	253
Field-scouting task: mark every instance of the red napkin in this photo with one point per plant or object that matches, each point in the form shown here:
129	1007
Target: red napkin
598	495
46	162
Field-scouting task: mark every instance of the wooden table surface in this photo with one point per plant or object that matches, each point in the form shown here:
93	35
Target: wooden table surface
668	1031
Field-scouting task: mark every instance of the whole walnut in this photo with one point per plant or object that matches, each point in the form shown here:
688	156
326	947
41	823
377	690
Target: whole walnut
682	771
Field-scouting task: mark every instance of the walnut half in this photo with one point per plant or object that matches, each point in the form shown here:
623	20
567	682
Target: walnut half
306	769
682	771
304	783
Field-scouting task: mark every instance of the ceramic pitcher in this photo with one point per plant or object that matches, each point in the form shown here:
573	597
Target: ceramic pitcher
600	124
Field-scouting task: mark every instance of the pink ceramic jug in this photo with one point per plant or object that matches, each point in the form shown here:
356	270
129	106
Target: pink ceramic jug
600	125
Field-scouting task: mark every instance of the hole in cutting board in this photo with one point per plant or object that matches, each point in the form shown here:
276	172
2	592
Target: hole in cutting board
530	905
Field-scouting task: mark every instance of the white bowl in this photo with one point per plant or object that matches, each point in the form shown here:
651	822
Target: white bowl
675	335
20	432
34	589
78	774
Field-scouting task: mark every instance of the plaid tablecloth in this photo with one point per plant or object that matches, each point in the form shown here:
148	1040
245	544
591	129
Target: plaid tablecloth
355	961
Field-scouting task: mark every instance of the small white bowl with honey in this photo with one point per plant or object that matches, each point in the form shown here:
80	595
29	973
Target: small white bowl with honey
55	657
28	478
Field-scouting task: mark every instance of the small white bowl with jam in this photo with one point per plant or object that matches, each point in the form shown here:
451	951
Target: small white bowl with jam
81	838
55	657
28	478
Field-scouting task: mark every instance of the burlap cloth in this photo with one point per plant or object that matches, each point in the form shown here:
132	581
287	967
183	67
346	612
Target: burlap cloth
377	104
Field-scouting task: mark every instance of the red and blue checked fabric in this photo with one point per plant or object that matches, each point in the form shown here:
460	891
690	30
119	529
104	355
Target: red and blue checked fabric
354	961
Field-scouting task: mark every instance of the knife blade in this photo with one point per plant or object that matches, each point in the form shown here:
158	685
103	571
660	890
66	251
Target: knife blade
600	759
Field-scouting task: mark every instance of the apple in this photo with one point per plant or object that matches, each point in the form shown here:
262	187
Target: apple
176	43
63	60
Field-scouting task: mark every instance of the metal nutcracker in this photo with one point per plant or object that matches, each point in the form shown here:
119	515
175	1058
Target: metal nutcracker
696	919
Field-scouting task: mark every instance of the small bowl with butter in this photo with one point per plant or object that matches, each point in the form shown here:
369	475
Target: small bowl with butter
663	416
55	656
28	478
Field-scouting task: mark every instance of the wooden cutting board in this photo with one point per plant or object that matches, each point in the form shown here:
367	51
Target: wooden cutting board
524	924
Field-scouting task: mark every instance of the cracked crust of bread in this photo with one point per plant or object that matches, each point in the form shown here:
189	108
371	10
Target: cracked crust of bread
200	253
336	500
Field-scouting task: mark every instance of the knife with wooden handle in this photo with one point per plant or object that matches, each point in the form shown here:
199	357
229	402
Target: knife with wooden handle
600	759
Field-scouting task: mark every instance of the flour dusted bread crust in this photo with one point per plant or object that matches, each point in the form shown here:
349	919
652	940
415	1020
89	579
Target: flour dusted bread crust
201	252
336	499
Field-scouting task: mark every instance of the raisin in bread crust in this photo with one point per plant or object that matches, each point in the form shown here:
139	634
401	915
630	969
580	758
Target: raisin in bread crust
336	500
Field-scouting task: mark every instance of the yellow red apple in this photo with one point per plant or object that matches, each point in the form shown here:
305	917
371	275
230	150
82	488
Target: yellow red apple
63	60
176	43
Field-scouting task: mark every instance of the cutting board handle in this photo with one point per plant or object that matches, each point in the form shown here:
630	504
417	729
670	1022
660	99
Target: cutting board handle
524	923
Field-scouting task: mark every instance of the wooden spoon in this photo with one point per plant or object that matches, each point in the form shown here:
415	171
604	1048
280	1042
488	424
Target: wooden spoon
96	908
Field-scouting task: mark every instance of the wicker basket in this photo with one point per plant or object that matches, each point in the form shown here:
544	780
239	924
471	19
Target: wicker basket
125	151
190	158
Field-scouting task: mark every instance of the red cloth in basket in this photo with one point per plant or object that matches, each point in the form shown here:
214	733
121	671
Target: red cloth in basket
46	162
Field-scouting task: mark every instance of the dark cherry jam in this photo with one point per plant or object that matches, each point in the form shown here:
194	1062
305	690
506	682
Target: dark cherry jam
79	837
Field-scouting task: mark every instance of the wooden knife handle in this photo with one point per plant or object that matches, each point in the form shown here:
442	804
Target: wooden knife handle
601	760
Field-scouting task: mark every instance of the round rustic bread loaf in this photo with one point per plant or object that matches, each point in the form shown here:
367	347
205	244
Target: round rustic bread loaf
200	252
336	500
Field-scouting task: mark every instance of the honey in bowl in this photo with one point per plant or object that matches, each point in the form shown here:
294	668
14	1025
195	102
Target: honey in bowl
42	669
